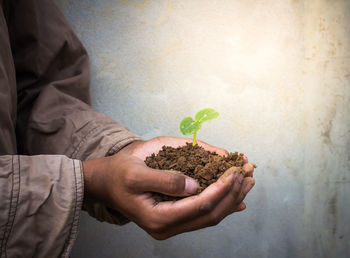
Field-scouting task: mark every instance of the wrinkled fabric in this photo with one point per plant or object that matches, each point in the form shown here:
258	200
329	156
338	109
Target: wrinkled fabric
40	205
47	128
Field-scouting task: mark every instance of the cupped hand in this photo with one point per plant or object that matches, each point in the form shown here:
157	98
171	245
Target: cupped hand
123	182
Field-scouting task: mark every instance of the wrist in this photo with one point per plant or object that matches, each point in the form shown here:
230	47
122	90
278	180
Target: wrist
92	170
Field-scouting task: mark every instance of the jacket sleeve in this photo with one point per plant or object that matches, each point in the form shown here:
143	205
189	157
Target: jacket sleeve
53	80
41	198
42	195
75	130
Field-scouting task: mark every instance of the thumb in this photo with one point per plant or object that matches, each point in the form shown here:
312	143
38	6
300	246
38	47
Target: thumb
168	182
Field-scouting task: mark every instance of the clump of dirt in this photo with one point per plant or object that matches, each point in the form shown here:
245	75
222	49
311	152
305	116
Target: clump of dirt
204	166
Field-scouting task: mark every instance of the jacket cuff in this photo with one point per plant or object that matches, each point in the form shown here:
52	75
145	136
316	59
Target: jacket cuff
101	137
105	137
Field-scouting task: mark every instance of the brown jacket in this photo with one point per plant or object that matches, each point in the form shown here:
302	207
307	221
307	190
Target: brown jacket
47	128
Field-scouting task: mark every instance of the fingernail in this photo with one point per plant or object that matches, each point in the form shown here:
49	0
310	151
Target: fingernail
247	188
191	186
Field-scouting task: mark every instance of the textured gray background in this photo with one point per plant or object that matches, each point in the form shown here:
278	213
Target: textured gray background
278	72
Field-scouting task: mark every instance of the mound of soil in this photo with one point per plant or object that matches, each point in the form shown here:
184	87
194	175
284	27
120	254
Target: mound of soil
204	166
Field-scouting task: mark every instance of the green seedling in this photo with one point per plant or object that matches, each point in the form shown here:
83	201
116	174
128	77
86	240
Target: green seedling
189	126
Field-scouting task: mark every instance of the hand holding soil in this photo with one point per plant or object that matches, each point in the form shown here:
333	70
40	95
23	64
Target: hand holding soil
194	161
206	166
124	183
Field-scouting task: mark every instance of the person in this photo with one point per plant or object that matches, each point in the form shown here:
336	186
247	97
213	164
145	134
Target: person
58	156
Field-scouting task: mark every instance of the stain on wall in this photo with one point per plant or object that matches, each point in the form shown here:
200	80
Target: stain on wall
279	74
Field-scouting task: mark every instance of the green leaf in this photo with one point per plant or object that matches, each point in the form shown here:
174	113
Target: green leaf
206	114
189	126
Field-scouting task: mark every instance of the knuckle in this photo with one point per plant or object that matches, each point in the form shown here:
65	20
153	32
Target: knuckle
226	189
240	198
154	228
252	182
205	207
214	219
155	225
237	186
159	237
248	167
158	138
131	178
236	190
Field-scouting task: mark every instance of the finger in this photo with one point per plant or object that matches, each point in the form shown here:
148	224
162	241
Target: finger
247	185
245	159
208	147
231	203
240	207
206	213
168	213
235	199
162	181
224	208
236	189
248	169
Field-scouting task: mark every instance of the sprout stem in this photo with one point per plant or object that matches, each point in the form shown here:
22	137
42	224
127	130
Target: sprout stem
194	139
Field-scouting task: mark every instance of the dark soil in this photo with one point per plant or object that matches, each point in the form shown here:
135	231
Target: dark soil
204	166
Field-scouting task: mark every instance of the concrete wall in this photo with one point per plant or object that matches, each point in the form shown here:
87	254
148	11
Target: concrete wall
278	72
